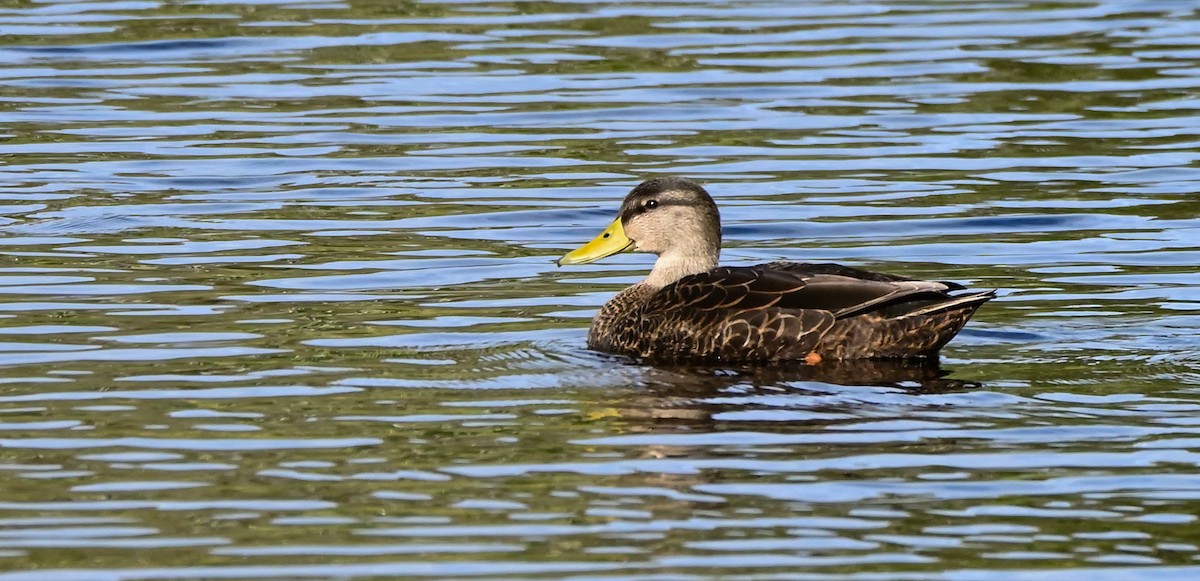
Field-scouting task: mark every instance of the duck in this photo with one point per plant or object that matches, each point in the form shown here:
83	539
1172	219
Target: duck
690	309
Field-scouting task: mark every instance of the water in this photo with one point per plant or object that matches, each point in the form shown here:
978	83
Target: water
277	296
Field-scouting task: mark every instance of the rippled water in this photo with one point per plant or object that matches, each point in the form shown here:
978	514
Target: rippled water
278	299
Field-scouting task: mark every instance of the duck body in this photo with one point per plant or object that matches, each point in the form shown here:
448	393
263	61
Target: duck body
690	309
783	311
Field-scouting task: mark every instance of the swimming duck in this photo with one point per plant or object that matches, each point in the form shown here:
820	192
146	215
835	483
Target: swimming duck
691	309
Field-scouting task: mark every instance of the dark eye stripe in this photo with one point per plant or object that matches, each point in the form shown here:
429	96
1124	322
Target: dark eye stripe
634	210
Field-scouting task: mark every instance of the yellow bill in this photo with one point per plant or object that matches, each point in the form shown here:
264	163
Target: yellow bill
611	241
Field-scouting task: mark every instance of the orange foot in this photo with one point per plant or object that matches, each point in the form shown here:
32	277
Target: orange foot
812	358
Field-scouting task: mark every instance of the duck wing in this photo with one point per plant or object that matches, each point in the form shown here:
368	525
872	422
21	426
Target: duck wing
813	268
751	312
778	310
739	290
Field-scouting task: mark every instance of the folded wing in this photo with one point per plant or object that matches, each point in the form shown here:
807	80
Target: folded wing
779	310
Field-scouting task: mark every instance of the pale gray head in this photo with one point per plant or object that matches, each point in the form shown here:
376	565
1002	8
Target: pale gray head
672	215
669	216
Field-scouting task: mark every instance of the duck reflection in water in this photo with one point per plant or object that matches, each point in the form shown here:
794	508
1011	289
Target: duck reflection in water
678	395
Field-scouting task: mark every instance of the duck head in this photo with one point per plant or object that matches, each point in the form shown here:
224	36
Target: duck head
672	217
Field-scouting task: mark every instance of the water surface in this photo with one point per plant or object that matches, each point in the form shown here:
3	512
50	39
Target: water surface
277	297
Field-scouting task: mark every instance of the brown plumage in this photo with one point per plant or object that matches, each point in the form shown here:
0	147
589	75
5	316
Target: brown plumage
688	309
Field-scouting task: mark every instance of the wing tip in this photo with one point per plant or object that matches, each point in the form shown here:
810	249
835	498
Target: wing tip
970	301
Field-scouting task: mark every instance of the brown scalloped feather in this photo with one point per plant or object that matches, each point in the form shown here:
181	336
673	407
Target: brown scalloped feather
784	311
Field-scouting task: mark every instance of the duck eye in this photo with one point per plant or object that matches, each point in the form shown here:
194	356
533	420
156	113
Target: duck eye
652	204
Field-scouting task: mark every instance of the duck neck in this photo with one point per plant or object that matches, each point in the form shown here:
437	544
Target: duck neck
673	265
